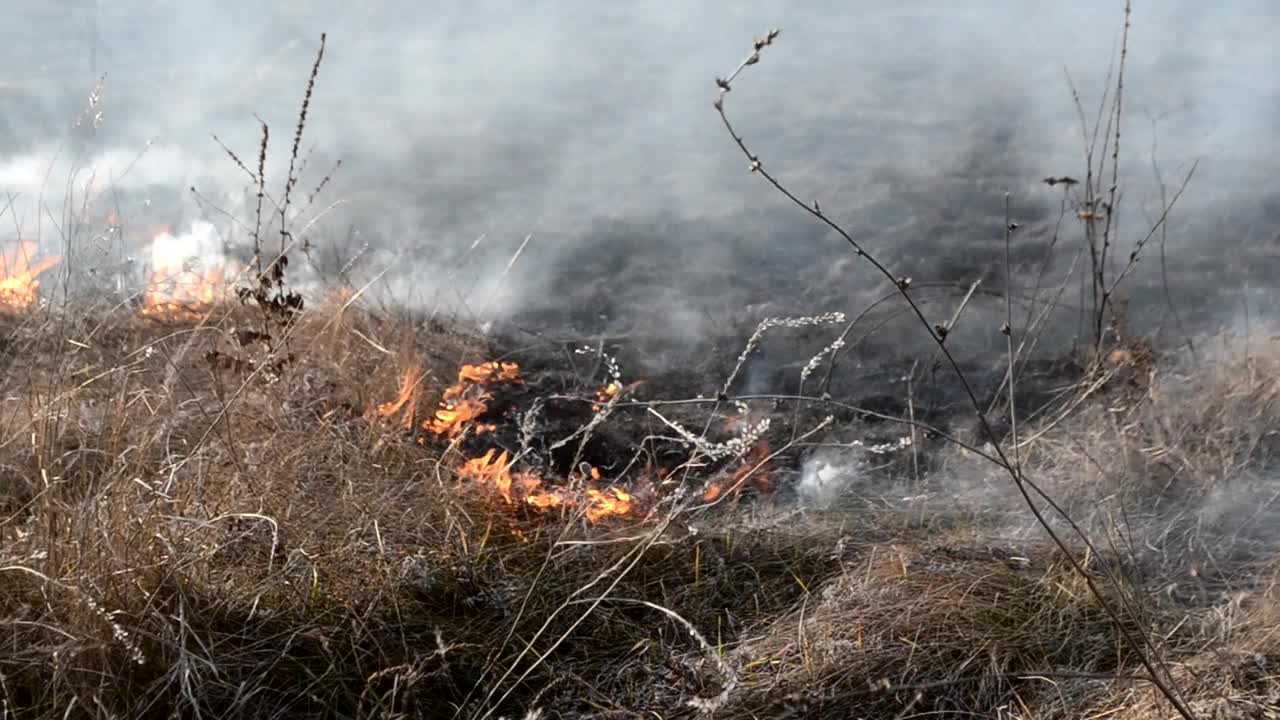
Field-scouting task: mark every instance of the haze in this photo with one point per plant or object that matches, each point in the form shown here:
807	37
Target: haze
589	126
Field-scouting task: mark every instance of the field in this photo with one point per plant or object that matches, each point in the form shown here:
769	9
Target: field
226	497
196	525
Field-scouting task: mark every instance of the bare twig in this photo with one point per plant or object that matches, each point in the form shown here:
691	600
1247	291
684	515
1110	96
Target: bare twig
938	333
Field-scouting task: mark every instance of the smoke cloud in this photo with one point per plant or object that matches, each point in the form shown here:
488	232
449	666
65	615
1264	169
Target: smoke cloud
589	126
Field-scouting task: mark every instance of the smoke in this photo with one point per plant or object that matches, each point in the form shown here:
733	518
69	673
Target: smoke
589	126
464	128
200	245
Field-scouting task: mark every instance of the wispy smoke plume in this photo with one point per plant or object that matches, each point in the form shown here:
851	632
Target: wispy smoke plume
589	125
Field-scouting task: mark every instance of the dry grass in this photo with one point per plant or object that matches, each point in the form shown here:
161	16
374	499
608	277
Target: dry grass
181	538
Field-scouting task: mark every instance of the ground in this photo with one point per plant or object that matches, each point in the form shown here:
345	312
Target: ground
264	531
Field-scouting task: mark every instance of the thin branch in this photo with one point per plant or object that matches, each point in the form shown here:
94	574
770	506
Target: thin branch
938	334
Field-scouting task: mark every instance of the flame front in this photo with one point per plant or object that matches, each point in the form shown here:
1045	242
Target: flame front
493	470
466	400
178	288
462	405
19	275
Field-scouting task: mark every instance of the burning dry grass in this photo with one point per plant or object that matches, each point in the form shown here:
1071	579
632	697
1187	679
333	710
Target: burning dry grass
307	531
21	266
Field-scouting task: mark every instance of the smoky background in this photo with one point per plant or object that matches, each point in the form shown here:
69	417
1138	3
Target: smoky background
588	128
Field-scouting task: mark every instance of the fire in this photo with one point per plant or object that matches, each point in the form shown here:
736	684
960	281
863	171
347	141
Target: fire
522	488
756	460
605	394
461	405
178	287
19	275
185	293
606	503
492	471
406	401
452	419
466	400
487	373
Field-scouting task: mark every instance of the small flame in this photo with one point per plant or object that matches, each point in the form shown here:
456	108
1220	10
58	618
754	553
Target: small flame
466	400
493	469
406	401
605	394
452	418
488	373
461	405
19	275
607	503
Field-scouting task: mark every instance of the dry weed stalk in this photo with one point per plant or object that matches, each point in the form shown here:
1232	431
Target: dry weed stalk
938	332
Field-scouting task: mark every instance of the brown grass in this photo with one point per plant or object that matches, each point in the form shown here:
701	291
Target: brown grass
183	538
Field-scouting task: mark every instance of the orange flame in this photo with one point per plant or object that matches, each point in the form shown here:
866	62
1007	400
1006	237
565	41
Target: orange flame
452	418
493	469
602	504
490	470
184	293
461	405
176	291
466	400
605	394
755	459
406	401
19	283
487	373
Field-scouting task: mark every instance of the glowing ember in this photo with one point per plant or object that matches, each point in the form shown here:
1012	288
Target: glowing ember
19	273
605	394
755	462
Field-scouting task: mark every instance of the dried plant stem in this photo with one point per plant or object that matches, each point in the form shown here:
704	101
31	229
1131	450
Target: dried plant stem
938	334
